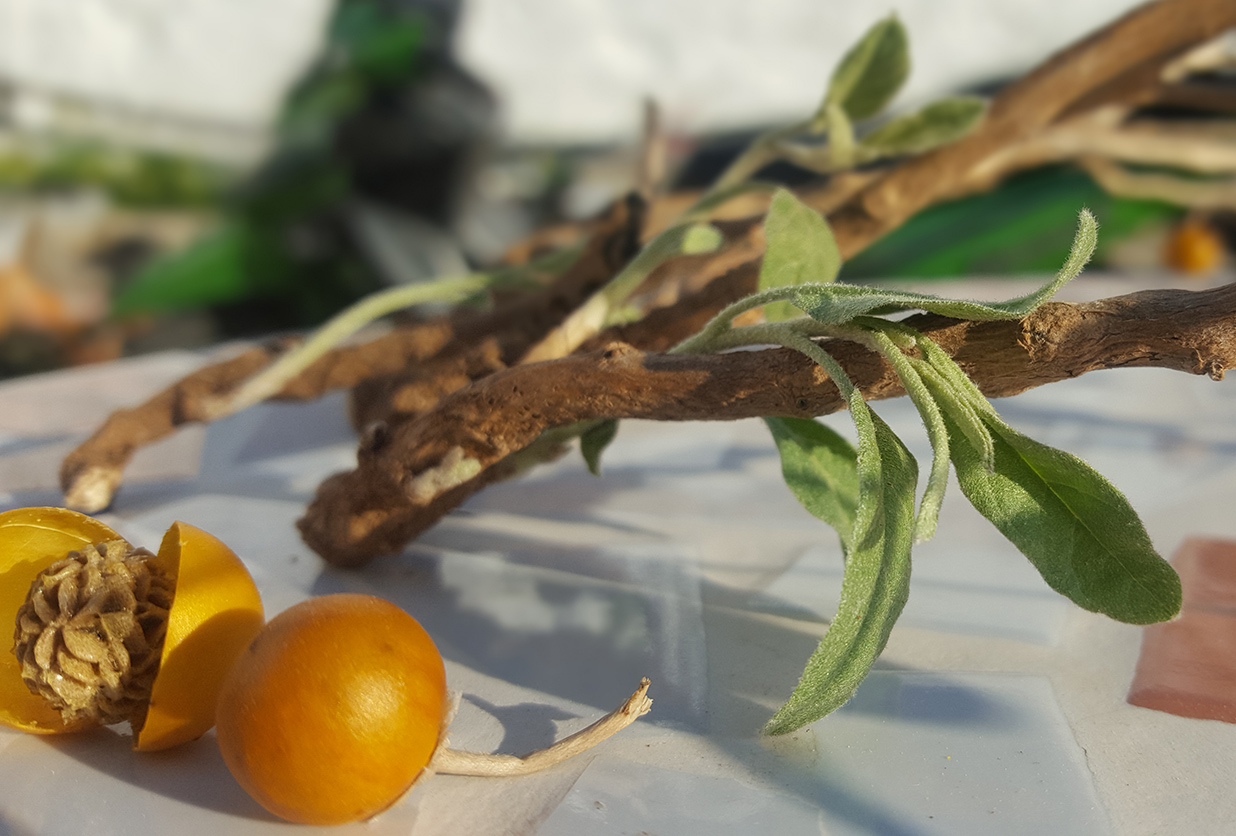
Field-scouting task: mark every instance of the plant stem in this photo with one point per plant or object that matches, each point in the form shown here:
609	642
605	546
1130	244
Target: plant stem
274	377
453	762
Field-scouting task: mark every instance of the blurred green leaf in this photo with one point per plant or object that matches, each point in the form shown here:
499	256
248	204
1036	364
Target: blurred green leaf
937	124
594	440
872	71
209	271
1022	227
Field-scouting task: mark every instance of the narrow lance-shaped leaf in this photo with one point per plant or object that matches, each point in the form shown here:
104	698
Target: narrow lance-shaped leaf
821	470
836	304
872	71
1077	528
799	248
876	581
924	400
956	402
939	123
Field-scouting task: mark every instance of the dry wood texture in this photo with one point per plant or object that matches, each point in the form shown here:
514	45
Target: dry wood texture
447	402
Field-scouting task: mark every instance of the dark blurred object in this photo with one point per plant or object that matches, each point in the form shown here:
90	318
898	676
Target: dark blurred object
384	115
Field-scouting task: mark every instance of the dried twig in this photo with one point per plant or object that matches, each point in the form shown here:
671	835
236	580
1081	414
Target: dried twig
1101	77
409	475
454	347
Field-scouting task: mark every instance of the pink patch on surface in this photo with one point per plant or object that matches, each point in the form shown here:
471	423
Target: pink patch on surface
1188	666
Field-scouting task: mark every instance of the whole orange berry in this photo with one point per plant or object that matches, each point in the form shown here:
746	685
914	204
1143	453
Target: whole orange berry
334	709
1194	247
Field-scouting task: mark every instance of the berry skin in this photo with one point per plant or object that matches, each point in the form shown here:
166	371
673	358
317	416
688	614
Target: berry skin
1194	248
215	612
334	709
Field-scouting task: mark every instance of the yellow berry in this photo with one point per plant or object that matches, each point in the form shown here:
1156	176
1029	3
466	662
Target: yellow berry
334	710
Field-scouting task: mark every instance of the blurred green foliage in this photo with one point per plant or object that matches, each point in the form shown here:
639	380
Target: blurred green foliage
1021	227
281	247
130	178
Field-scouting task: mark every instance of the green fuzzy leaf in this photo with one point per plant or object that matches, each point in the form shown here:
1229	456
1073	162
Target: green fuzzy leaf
876	582
924	398
937	124
820	469
957	402
594	440
799	248
1077	529
872	72
701	238
837	304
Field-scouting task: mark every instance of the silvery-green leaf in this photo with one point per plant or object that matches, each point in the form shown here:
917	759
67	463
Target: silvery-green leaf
799	248
872	71
837	304
820	469
1077	529
876	581
594	440
960	406
937	124
924	399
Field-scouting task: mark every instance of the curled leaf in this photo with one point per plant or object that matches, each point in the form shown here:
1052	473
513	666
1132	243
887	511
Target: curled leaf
837	304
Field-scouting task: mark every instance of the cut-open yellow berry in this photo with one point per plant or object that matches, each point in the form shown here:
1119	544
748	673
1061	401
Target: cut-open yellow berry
106	632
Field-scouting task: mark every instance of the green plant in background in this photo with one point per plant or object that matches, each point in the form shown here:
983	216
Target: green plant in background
1022	226
138	179
279	238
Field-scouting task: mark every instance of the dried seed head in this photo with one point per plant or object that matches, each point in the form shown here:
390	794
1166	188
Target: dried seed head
90	633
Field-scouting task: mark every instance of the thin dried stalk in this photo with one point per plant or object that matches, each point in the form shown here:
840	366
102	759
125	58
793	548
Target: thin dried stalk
449	761
452	346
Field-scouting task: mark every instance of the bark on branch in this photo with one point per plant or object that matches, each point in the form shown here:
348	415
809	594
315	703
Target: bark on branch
410	474
408	371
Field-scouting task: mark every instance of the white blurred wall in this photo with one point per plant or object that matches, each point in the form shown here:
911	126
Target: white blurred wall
202	75
578	69
201	71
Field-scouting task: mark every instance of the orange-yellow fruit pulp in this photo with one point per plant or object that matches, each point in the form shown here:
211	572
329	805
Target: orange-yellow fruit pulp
334	709
215	613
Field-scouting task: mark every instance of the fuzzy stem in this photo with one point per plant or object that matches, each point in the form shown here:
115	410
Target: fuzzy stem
270	380
453	762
